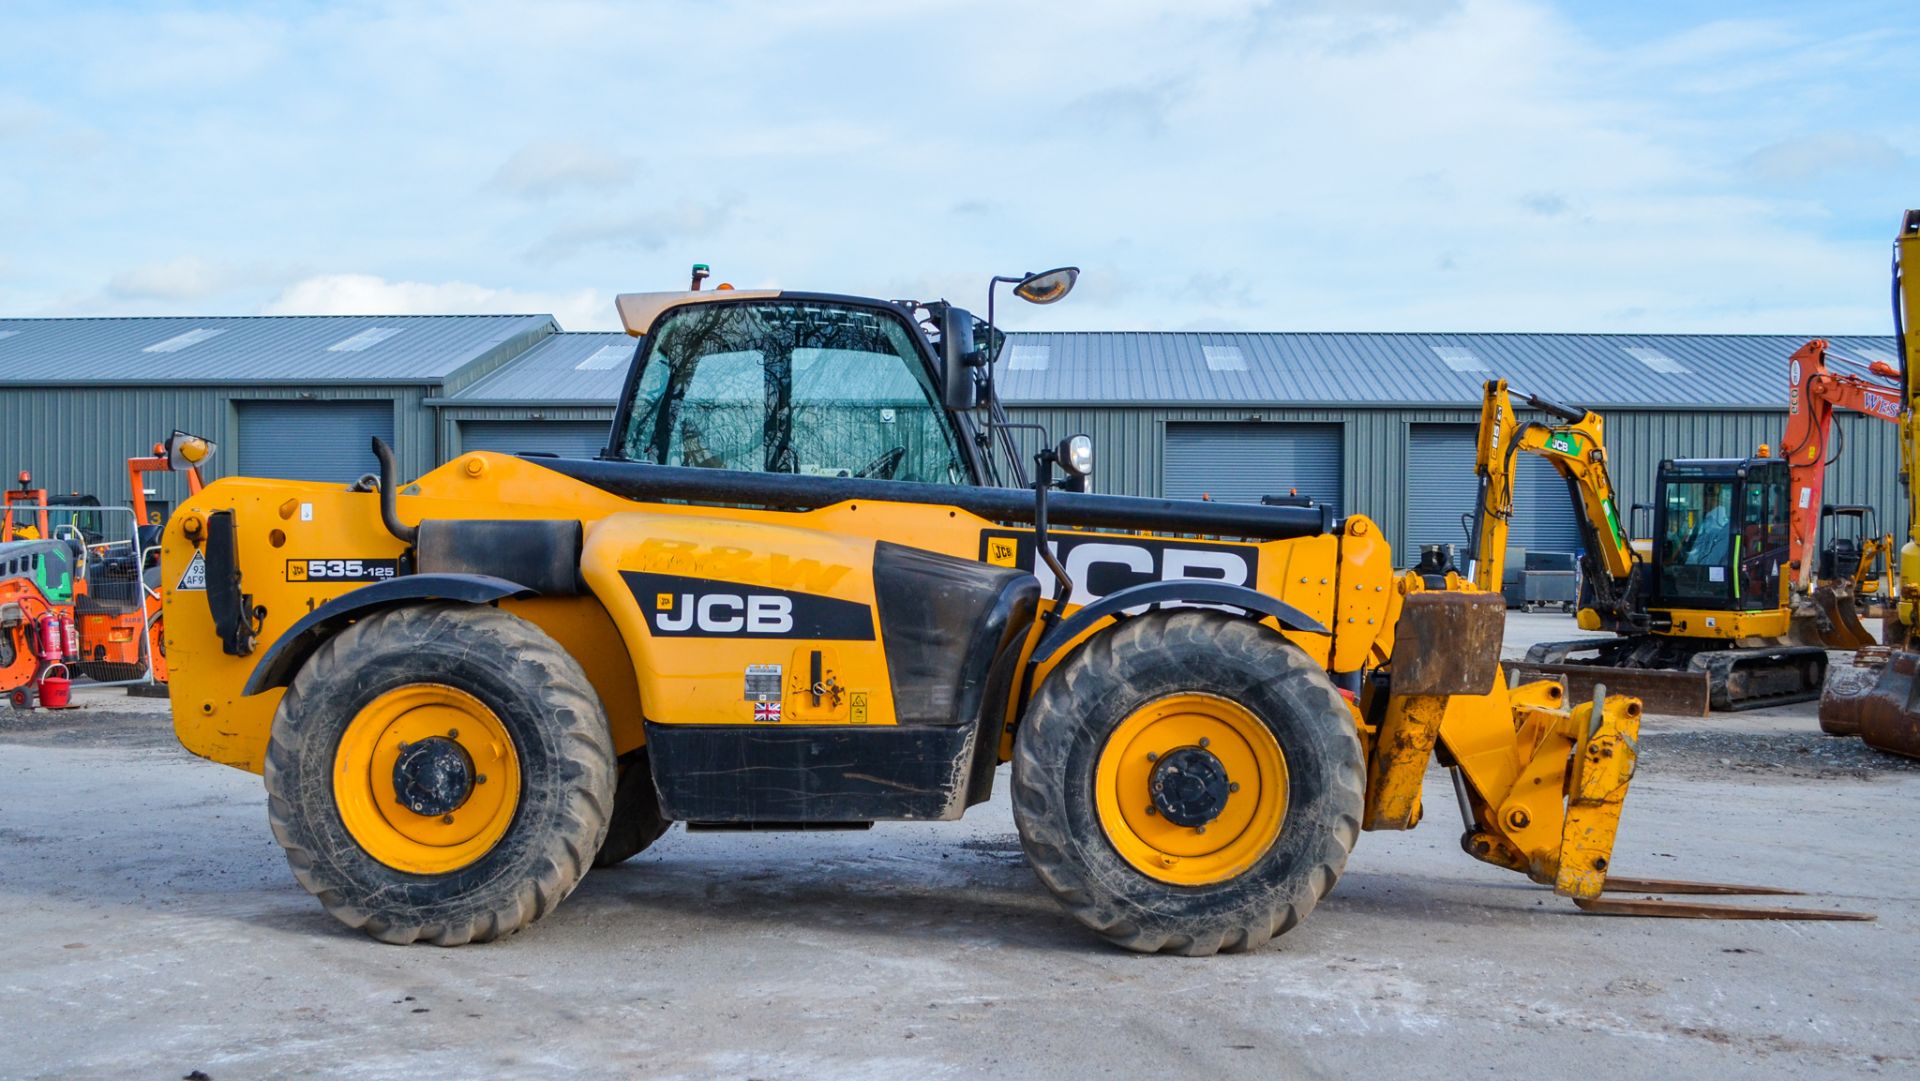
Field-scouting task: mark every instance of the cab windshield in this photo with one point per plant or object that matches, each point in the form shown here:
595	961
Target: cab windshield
790	387
1723	539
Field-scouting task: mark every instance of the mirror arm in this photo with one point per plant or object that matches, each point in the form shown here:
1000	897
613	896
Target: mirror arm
1042	483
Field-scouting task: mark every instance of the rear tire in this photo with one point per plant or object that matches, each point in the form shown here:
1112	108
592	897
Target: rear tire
1255	685
636	822
530	717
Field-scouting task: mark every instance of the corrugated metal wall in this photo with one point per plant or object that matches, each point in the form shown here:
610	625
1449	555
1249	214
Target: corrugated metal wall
449	419
1128	450
79	438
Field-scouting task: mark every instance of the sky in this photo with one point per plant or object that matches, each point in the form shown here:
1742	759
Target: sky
1372	165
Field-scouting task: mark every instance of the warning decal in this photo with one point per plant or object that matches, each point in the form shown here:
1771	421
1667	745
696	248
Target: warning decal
195	576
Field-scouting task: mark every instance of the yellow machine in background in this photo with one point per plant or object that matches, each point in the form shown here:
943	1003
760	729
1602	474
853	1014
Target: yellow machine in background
1876	697
1702	618
810	584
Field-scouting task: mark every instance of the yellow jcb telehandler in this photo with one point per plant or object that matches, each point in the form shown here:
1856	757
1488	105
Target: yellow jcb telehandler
809	583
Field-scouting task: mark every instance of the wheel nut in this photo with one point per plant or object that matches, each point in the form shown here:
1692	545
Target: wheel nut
1152	756
1204	741
481	779
453	733
1233	786
1152	810
447	819
1199	829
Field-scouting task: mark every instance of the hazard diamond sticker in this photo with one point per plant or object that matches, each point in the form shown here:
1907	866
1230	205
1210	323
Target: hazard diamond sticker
195	576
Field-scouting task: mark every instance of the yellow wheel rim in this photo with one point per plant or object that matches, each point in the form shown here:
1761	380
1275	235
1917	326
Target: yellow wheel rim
461	829
1248	819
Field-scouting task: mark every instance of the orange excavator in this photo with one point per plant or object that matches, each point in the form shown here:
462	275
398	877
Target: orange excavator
1815	391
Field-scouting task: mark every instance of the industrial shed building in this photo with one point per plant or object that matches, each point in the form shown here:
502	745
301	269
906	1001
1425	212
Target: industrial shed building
1379	424
1384	424
297	396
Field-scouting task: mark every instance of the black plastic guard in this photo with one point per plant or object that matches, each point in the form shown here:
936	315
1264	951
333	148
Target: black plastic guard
231	609
288	652
1179	592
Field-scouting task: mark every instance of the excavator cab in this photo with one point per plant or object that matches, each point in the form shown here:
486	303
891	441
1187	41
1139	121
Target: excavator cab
1721	526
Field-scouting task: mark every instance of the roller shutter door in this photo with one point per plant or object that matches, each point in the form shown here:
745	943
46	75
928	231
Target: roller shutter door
1441	486
324	441
1240	463
1545	520
568	439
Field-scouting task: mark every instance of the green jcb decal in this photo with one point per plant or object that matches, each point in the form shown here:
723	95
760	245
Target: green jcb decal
1613	521
1565	443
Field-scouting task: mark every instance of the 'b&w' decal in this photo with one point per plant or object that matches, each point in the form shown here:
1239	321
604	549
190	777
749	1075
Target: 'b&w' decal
680	607
1100	564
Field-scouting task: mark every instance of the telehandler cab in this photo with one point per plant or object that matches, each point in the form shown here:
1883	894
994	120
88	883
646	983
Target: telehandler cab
809	584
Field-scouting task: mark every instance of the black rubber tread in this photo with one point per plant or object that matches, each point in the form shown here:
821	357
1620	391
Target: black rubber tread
636	822
1145	658
566	769
108	671
113	671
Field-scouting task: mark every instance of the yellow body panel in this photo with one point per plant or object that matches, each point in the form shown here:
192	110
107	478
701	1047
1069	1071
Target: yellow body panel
1711	623
1343	581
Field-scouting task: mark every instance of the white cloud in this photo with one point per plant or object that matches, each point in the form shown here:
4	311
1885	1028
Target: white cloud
1798	160
369	294
550	167
184	279
648	230
1371	164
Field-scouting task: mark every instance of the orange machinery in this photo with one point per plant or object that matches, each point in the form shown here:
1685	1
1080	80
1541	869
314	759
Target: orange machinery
119	614
1815	391
73	596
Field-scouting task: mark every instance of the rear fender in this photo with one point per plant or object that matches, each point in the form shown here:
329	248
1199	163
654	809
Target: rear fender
291	650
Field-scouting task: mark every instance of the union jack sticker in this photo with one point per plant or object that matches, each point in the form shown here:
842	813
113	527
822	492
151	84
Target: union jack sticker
766	711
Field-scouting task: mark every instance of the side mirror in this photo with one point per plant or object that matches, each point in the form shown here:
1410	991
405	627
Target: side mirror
1047	286
959	391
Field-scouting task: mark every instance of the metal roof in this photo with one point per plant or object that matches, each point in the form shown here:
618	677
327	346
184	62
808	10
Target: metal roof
577	367
1594	370
257	349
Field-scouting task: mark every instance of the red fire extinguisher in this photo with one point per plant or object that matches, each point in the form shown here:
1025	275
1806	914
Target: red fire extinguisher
53	639
73	637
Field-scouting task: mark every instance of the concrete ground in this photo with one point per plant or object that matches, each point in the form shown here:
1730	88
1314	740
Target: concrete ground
152	930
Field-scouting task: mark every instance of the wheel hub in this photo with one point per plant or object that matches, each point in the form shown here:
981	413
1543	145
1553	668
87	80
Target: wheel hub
1189	786
433	777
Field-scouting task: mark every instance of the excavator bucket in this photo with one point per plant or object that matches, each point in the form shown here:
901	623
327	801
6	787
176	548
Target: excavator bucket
1839	626
1874	698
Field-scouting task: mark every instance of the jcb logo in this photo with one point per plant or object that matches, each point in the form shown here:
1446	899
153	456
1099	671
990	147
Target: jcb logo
679	606
723	613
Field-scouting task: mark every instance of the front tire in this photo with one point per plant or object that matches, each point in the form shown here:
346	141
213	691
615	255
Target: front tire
439	772
1243	750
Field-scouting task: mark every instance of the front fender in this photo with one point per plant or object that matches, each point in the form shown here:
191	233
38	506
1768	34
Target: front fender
1179	591
291	650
